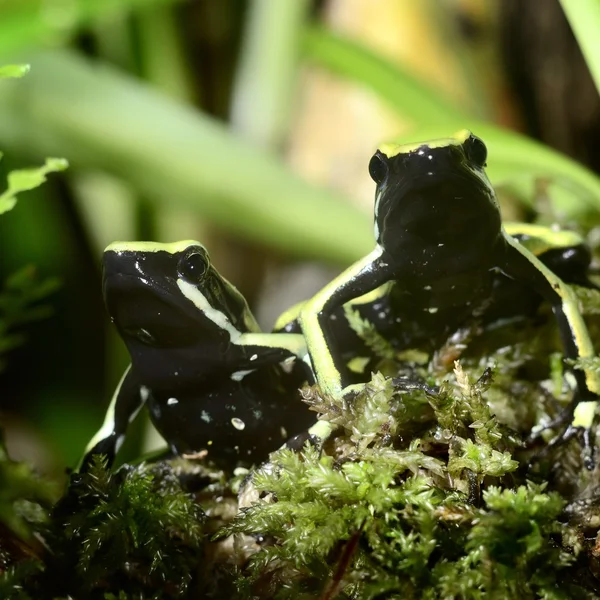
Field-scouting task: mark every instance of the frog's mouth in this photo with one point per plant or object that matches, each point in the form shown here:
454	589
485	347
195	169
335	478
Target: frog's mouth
154	314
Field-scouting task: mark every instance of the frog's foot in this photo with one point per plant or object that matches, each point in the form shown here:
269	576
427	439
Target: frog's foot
572	423
351	391
316	435
403	384
588	454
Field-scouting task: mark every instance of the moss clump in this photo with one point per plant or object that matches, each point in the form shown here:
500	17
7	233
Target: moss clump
443	516
133	532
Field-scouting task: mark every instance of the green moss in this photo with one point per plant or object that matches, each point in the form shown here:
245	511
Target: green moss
436	517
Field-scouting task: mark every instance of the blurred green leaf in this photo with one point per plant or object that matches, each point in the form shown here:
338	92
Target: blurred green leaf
405	93
18	298
19	483
28	179
26	23
511	155
175	155
584	18
14	71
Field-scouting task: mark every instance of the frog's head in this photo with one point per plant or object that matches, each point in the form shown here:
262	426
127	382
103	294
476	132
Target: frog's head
170	296
434	194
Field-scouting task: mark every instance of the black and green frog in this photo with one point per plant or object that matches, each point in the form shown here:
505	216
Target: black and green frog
214	383
441	256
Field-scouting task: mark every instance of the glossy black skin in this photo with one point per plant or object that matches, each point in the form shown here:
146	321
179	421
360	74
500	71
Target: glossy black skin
508	299
183	362
438	227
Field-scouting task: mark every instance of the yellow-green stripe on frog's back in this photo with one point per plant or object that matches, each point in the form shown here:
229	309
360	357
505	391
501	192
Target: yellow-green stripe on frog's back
391	149
585	411
293	313
326	372
540	239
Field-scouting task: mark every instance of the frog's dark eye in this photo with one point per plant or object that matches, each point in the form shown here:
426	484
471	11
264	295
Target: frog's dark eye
476	150
193	265
378	167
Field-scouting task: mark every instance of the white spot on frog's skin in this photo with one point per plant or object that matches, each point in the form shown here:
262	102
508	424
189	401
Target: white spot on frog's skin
231	407
144	393
239	375
440	245
432	310
206	418
238	423
176	373
257	414
427	287
254	357
283	432
172	401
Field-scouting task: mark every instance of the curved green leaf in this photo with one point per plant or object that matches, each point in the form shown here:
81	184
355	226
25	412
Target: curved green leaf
98	117
401	90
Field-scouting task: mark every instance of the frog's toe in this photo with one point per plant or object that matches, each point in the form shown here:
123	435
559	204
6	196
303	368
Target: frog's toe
563	421
403	384
350	391
567	433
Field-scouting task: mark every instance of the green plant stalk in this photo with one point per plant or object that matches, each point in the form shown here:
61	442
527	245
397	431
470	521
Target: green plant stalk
162	59
584	18
511	154
264	85
97	117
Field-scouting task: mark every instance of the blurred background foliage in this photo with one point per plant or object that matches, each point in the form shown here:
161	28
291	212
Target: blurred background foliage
249	124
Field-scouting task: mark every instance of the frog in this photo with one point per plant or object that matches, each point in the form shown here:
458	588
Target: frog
441	256
215	385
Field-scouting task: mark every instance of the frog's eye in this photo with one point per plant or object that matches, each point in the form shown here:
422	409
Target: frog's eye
193	265
378	167
476	150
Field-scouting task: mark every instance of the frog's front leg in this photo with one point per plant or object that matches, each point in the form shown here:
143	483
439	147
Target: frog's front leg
518	263
362	277
127	400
